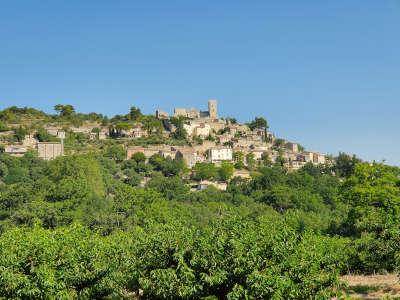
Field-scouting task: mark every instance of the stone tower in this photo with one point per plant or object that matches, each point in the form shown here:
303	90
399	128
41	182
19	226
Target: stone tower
212	109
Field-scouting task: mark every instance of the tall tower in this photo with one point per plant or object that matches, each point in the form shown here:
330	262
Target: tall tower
212	109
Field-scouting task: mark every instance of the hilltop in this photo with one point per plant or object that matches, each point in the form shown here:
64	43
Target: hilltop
196	136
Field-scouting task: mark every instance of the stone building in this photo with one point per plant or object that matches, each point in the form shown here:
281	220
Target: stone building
29	141
212	109
292	147
148	152
197	129
219	154
15	150
189	155
191	113
49	150
194	113
161	114
313	157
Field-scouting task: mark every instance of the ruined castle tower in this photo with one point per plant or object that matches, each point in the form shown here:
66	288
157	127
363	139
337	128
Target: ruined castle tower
212	109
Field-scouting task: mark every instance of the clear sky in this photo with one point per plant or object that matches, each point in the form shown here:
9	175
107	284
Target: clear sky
324	73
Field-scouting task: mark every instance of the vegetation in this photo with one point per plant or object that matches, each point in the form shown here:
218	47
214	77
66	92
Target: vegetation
97	226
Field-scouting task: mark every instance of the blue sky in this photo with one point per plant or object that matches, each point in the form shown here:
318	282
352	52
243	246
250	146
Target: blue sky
324	73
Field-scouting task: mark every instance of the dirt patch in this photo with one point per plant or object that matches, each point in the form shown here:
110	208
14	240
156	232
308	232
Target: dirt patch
372	287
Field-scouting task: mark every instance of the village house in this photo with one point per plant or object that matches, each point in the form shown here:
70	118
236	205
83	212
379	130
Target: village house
137	132
195	128
258	153
49	150
313	157
189	155
295	164
225	138
219	154
292	147
15	150
102	135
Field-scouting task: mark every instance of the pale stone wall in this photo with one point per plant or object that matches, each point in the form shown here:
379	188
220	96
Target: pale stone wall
15	150
49	150
161	114
203	130
212	109
292	147
220	154
192	113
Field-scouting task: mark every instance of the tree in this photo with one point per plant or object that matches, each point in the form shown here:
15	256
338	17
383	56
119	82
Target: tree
266	161
344	164
20	133
225	172
64	110
42	135
250	160
134	113
171	187
203	171
151	124
96	130
3	127
70	262
259	123
115	152
132	177
168	166
180	132
138	157
238	158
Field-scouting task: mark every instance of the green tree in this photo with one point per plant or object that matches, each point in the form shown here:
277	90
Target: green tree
42	135
180	133
115	152
69	263
260	123
64	110
250	160
203	171
138	157
3	127
238	158
344	164
20	133
225	171
134	113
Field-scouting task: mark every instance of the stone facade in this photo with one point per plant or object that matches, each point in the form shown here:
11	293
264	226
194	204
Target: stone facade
161	114
292	147
191	113
212	109
49	150
15	150
219	154
194	113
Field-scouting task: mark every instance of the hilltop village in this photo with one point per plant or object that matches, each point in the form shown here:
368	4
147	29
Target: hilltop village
190	134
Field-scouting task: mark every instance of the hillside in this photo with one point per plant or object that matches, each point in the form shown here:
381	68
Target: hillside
192	206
